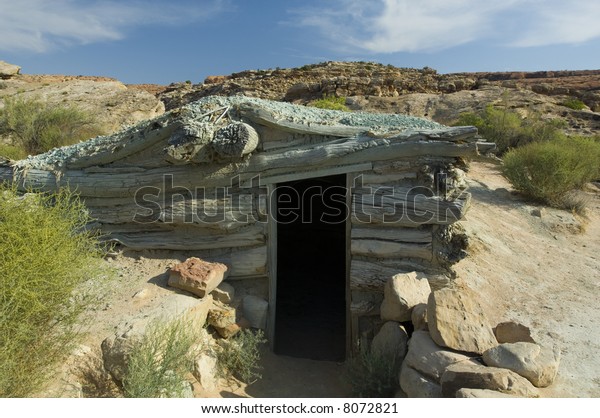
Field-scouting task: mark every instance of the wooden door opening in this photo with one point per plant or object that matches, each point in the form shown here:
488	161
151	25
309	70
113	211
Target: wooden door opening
311	309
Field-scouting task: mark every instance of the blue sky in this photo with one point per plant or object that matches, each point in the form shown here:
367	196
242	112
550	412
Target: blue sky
161	41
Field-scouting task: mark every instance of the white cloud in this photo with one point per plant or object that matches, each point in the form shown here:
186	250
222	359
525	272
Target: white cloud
386	26
41	25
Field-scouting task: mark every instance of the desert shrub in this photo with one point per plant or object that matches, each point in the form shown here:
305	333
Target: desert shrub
331	102
372	375
548	171
50	273
12	152
508	130
159	363
36	126
239	356
574	104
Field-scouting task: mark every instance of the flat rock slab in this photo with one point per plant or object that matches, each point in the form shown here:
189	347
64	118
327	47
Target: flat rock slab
471	375
537	364
224	293
513	332
197	276
401	293
425	356
456	320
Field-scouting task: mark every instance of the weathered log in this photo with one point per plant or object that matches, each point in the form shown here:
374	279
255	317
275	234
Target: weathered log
390	249
235	140
189	239
407	235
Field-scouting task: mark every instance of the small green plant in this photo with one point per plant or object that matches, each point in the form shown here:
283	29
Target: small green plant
574	104
239	356
508	130
548	171
372	375
332	103
159	363
12	152
51	272
36	126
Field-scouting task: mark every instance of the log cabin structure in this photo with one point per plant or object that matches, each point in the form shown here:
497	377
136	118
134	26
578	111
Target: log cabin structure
319	206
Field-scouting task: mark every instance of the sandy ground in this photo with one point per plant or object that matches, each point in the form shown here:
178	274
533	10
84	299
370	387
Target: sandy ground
541	271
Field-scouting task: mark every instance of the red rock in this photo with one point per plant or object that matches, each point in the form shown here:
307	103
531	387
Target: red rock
197	276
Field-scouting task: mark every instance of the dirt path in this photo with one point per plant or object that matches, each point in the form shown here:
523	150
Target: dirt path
538	271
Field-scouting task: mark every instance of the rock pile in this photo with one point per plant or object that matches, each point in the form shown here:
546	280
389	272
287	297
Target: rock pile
206	300
453	350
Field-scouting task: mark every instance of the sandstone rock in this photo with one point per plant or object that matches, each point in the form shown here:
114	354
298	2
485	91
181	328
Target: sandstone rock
221	316
197	276
513	332
224	293
418	317
205	371
229	331
456	320
537	364
8	70
428	358
401	293
390	342
117	348
415	385
255	310
469	374
482	393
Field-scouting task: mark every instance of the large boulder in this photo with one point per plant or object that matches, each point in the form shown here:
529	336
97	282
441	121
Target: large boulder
537	364
456	320
8	70
197	276
401	293
117	348
255	310
428	358
390	342
415	385
470	374
513	332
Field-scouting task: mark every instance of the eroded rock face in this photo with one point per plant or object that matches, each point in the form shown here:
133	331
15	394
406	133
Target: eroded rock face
401	294
197	276
471	375
537	364
8	70
456	320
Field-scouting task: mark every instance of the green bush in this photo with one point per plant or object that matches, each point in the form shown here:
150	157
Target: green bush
508	130
574	104
239	356
372	376
548	171
331	103
37	127
50	272
158	365
12	152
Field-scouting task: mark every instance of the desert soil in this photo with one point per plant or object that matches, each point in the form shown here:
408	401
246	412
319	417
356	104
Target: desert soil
541	271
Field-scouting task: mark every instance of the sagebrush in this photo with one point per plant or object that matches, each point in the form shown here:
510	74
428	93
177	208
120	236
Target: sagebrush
372	375
51	271
239	356
36	126
507	129
158	365
548	171
331	102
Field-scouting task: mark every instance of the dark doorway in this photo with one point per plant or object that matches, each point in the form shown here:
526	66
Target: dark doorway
310	313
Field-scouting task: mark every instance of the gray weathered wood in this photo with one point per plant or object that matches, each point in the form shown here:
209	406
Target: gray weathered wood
391	249
414	235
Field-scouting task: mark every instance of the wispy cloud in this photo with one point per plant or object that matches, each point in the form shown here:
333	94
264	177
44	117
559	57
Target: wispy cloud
41	25
386	26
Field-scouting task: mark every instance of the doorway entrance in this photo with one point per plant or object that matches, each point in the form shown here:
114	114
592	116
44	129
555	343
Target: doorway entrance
310	314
